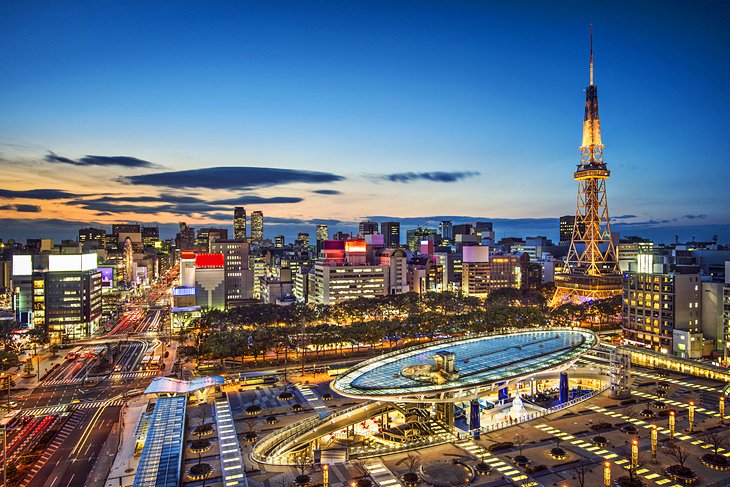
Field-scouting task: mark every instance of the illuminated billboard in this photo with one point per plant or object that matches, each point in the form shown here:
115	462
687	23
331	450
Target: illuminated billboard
71	263
107	276
209	260
355	246
183	291
187	255
22	265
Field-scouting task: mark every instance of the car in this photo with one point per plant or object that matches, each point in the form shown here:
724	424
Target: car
75	401
117	368
134	392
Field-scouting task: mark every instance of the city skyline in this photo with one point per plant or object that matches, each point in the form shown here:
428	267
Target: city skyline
471	112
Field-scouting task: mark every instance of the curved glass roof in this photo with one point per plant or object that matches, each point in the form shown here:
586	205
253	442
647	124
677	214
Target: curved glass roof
478	361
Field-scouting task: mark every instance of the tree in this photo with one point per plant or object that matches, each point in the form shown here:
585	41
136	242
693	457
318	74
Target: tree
519	441
28	368
303	461
412	461
717	441
678	451
581	470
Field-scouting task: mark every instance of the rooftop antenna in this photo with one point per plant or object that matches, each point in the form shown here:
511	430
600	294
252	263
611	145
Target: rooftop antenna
591	30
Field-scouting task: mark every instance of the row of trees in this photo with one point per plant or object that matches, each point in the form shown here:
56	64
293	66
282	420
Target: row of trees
256	330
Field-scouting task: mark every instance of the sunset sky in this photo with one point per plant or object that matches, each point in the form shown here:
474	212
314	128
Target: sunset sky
340	111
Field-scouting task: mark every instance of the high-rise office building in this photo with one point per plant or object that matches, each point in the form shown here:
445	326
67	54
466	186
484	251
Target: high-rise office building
322	234
150	236
391	234
446	230
416	236
257	225
208	235
90	234
239	222
279	241
185	238
367	228
659	300
238	276
303	238
566	228
58	293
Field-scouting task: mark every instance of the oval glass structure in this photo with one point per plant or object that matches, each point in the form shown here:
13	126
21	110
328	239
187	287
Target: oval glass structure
432	370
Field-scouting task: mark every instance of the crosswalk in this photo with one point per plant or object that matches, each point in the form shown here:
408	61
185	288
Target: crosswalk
313	399
498	465
607	455
61	408
678	404
71	424
676	381
114	376
660	429
381	475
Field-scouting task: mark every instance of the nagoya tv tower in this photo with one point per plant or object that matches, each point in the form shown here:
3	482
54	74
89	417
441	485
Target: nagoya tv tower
591	270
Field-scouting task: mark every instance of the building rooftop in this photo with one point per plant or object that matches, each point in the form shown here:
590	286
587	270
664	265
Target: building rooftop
481	362
168	385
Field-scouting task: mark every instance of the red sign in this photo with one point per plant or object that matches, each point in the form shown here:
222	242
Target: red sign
187	255
209	260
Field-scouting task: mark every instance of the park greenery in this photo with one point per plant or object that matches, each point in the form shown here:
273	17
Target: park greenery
267	332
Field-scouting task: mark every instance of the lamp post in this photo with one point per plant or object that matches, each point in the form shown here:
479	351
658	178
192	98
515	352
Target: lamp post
607	474
722	409
691	417
325	475
653	442
672	420
634	455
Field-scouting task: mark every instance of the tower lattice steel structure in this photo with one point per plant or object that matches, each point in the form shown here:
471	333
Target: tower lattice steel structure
591	267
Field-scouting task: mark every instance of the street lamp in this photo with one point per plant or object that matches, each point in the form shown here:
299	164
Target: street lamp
325	475
653	442
691	417
722	409
607	474
672	421
634	454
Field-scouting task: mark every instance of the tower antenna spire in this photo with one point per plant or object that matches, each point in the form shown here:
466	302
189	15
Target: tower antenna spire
591	29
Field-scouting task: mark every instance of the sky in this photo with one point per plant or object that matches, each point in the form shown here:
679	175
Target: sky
336	112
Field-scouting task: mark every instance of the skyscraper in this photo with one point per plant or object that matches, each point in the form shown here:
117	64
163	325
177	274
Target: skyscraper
368	228
322	234
446	230
591	269
239	222
566	229
303	237
257	225
391	234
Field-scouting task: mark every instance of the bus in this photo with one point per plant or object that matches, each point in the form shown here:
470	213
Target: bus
253	378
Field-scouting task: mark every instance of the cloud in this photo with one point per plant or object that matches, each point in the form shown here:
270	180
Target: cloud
622	217
326	191
695	217
91	160
22	208
435	176
257	200
38	194
230	178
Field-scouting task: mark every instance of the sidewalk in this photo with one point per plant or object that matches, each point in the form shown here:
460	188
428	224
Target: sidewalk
125	463
46	362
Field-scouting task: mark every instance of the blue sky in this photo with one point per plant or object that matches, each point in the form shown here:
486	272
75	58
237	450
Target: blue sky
357	92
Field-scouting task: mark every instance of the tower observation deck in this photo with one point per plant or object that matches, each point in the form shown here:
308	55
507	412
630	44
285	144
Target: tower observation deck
591	267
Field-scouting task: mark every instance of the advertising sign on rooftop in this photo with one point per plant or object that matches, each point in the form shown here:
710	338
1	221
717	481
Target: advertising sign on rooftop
22	265
70	263
209	260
